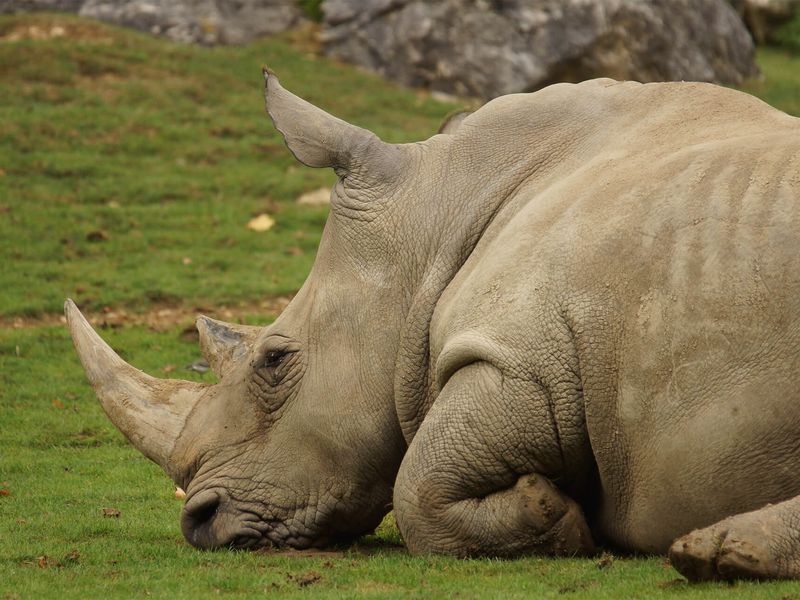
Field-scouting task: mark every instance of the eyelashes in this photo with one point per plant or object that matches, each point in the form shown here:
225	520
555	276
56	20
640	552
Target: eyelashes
274	358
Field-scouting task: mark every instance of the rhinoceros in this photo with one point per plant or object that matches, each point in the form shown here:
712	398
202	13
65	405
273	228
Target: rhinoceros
571	319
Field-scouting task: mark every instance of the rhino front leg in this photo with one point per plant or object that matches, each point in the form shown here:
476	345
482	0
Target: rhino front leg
460	489
762	544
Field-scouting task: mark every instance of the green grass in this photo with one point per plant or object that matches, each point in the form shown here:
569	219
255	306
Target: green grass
780	86
130	166
62	462
788	36
122	155
166	150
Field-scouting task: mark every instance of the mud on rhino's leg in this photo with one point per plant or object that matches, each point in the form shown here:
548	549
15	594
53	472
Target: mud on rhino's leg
762	544
456	492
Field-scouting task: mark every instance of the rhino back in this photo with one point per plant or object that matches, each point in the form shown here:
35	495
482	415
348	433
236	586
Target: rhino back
653	284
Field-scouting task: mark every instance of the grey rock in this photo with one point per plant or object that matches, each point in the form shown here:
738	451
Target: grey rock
19	6
199	21
189	21
486	49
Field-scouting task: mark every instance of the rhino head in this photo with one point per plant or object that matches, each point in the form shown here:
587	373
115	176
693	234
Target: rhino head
299	441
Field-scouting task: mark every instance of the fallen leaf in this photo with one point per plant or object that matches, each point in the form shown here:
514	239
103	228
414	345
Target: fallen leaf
42	561
98	235
167	368
319	197
111	512
72	557
2	172
186	260
57	403
5	493
179	493
294	251
262	222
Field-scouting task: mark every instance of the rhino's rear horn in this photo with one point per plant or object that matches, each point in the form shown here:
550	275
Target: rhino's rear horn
150	412
318	139
223	343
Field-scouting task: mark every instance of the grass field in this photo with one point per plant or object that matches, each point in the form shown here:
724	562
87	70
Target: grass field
129	169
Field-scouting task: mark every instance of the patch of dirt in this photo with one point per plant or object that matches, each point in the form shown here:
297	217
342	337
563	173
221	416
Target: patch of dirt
161	317
673	583
48	29
377	587
357	549
370	548
72	558
585	585
304	579
292	553
106	86
86	437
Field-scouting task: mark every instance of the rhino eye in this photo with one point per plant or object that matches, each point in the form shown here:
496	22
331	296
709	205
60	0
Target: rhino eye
274	358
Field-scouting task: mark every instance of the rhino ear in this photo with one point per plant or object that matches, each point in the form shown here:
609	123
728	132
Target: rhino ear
453	121
318	139
223	344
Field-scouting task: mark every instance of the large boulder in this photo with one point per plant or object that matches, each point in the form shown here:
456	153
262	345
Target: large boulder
486	49
199	21
13	6
191	21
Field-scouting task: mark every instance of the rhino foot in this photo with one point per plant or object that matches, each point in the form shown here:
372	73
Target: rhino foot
456	493
530	517
763	544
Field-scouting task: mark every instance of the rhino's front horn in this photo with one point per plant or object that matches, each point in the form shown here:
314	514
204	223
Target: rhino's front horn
150	412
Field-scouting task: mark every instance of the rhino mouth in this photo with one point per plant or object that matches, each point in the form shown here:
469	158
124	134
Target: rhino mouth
212	520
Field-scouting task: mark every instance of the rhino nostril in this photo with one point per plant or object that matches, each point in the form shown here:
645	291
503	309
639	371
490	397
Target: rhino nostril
197	519
211	520
205	512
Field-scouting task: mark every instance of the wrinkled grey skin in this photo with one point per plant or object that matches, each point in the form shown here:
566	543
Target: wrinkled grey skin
572	316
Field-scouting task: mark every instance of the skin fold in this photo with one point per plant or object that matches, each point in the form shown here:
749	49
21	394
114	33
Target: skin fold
570	319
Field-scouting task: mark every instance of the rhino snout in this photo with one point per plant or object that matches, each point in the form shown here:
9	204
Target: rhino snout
209	521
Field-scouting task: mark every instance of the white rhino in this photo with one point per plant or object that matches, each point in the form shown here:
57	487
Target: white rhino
572	318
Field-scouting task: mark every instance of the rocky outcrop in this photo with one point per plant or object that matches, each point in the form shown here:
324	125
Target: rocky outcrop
488	48
13	6
191	21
